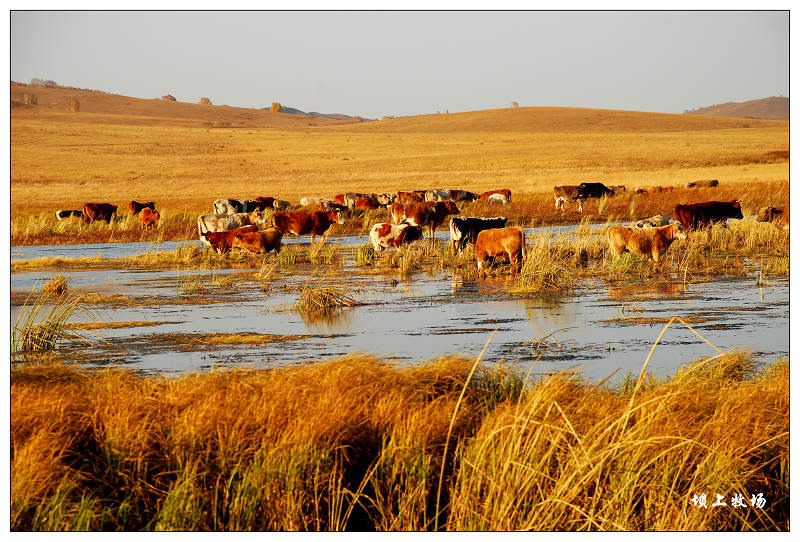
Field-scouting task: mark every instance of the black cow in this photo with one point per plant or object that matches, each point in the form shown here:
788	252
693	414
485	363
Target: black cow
465	229
61	215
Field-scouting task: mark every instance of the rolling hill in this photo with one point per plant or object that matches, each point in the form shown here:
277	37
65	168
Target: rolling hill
105	108
773	108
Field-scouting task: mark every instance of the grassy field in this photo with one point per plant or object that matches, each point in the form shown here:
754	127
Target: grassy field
122	148
360	444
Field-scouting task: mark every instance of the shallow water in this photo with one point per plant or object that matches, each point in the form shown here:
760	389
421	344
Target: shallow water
126	250
425	317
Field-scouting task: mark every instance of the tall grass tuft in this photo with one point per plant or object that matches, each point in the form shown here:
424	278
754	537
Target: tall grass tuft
319	298
56	286
42	325
358	444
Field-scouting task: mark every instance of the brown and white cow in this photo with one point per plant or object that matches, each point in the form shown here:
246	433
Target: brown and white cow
225	222
149	217
136	207
259	242
700	215
384	235
564	193
222	241
99	211
504	191
429	213
501	242
304	222
650	242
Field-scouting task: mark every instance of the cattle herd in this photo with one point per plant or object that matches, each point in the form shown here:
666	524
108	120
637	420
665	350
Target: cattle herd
242	224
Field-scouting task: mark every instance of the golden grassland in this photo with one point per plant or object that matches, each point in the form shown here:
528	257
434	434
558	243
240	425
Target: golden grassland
62	160
359	443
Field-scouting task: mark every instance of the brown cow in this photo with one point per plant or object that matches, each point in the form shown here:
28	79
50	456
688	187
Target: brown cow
703	183
222	241
99	211
259	242
262	202
496	242
339	199
485	196
149	217
700	215
650	242
398	211
365	203
414	196
304	222
136	207
429	213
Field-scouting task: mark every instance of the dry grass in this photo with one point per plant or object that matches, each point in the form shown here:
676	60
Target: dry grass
61	160
359	444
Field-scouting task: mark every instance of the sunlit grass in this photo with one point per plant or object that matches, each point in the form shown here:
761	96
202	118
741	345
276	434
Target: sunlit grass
358	444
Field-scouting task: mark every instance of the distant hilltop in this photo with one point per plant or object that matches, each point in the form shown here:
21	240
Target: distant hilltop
336	116
773	108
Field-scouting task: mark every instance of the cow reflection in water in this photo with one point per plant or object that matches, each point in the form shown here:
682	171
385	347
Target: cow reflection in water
645	292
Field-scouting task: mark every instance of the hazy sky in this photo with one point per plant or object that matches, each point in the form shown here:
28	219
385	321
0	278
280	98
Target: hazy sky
406	63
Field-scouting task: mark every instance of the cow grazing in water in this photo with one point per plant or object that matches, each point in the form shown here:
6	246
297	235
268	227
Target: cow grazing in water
700	215
224	222
149	217
384	235
464	230
501	242
703	183
504	191
259	242
61	215
650	242
429	213
307	222
99	211
222	241
653	222
135	207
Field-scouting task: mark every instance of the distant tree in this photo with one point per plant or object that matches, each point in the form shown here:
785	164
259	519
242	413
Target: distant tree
514	104
276	107
169	98
205	101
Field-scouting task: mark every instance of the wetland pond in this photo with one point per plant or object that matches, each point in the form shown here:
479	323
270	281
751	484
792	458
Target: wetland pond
600	326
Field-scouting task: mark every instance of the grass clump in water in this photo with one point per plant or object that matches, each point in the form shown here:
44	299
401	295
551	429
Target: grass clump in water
318	298
56	286
544	270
